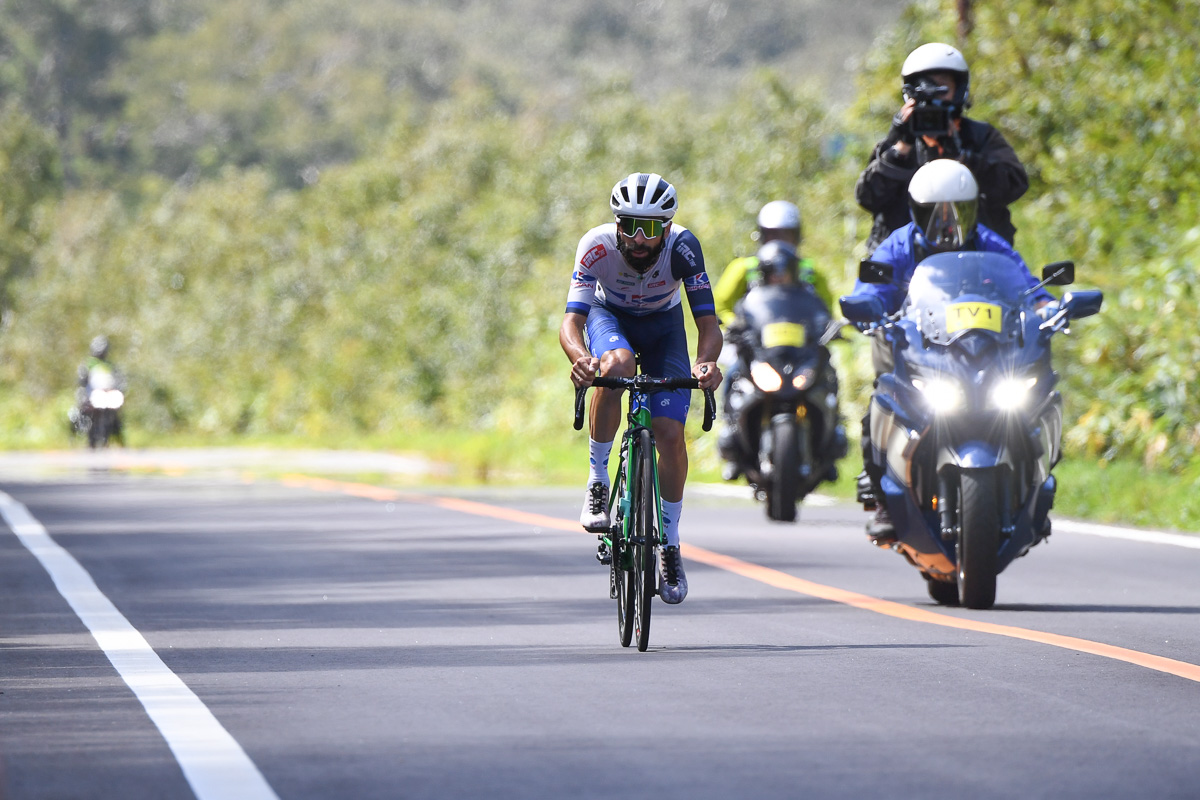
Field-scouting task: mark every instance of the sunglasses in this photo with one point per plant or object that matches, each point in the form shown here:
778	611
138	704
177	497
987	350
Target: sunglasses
650	228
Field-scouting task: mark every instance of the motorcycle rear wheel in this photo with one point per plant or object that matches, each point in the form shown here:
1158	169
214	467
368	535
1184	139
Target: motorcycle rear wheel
979	540
785	460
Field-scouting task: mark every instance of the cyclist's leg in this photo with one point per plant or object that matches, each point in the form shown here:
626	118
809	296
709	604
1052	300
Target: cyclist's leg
662	343
608	343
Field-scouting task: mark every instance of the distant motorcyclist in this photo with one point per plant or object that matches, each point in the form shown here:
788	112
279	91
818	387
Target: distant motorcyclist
936	87
775	264
98	376
778	221
943	206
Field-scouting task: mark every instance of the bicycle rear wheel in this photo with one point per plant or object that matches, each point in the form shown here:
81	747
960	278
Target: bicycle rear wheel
622	584
645	537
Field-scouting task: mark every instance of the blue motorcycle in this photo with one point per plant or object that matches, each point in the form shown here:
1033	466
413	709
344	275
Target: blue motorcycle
967	426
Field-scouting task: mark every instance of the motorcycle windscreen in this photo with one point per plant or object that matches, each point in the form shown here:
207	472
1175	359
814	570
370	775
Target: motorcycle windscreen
952	294
785	316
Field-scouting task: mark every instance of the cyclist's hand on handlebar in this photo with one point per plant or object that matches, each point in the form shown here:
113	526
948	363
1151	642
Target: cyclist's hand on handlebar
708	373
584	370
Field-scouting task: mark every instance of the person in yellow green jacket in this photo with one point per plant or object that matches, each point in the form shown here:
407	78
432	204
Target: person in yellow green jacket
778	220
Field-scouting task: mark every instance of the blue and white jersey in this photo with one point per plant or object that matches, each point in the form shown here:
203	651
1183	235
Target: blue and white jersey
602	276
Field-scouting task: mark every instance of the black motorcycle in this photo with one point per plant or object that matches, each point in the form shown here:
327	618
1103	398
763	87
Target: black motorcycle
785	435
966	428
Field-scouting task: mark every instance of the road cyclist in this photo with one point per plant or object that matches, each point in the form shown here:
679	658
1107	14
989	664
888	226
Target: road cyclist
624	309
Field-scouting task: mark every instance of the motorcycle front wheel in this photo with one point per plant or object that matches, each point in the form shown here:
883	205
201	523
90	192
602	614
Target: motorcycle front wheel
979	540
785	461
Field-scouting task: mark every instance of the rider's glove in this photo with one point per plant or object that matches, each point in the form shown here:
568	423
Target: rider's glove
901	131
1049	310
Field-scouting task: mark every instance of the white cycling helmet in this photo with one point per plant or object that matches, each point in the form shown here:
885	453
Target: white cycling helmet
938	57
779	215
646	195
944	199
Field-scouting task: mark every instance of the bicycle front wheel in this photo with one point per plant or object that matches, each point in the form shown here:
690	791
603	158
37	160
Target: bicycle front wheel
623	586
645	537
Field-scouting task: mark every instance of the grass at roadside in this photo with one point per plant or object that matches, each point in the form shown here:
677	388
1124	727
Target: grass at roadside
1117	492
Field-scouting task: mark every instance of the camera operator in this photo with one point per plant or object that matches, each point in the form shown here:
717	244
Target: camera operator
930	125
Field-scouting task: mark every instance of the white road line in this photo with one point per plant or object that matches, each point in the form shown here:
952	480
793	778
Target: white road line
1132	534
213	763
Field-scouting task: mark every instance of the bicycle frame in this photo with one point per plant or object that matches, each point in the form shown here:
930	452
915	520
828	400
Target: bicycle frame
619	505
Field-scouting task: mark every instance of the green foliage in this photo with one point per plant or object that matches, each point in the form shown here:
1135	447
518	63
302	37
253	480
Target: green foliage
31	180
375	230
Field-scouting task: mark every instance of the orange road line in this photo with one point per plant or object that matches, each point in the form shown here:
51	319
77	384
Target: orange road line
773	577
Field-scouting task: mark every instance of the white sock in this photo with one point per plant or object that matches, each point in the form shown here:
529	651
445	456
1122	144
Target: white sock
598	453
671	512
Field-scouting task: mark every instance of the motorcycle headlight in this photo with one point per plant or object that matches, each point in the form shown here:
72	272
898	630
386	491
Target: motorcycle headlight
765	377
944	396
804	378
1011	394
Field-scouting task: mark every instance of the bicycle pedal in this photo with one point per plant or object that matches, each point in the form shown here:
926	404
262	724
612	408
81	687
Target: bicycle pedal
604	555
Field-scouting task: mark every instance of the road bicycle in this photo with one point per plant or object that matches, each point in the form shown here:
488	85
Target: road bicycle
635	505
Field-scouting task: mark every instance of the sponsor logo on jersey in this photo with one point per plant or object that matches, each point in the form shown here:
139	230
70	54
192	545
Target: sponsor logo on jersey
592	256
696	282
624	283
656	284
687	252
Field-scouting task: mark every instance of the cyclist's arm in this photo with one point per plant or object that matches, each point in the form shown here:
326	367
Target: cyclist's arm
687	265
579	303
729	289
570	336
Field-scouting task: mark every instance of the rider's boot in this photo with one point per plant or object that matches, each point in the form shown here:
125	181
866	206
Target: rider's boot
594	516
672	582
866	492
880	530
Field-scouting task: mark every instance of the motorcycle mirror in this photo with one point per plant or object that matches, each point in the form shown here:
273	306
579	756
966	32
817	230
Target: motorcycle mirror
875	271
1082	304
1060	273
861	308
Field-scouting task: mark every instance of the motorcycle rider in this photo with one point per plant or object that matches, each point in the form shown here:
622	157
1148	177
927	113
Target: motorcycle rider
778	220
624	300
941	71
943	205
775	264
97	367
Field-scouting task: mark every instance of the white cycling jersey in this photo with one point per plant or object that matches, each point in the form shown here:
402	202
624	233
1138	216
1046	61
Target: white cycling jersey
603	277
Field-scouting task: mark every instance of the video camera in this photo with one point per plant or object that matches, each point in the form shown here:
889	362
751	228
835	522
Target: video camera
931	115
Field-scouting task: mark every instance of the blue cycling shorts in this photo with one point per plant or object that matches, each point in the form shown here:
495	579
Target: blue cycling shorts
660	342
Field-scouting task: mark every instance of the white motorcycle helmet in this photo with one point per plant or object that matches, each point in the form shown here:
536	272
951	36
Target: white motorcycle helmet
938	57
943	198
778	215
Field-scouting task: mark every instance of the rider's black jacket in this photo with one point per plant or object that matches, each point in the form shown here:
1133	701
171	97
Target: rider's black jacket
882	189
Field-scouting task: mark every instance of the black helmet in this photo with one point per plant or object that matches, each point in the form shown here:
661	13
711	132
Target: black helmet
99	347
777	259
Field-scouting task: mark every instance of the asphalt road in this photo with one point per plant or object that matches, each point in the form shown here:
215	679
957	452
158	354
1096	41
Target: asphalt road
358	643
